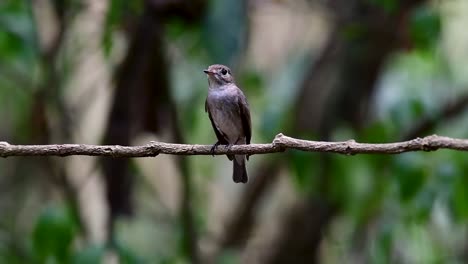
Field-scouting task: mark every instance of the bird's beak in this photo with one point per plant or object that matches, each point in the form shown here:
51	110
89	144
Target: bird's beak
208	72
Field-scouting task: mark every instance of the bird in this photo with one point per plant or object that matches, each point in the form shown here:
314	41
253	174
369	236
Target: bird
229	113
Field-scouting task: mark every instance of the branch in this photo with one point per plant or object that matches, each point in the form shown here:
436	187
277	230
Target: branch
279	144
448	112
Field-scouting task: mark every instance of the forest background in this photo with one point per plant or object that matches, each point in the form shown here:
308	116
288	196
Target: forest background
128	72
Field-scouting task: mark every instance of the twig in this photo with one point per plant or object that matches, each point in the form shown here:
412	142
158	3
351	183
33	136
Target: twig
279	144
451	110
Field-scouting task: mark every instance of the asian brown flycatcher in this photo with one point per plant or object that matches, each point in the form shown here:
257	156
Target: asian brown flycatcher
229	114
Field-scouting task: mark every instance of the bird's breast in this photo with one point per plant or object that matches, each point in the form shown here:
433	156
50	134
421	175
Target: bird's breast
224	110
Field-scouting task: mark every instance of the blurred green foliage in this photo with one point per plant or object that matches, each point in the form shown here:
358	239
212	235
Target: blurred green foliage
401	199
91	254
425	27
303	165
387	5
17	34
225	30
53	236
116	18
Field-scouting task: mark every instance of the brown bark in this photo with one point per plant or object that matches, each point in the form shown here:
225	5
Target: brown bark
143	103
280	144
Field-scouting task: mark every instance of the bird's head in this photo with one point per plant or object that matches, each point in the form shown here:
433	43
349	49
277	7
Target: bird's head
218	75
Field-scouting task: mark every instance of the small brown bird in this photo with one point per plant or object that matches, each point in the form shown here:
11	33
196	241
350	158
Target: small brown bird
229	113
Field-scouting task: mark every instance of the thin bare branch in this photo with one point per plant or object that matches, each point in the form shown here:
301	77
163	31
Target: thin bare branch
279	144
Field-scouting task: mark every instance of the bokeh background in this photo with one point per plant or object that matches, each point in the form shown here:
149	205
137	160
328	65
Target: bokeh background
128	72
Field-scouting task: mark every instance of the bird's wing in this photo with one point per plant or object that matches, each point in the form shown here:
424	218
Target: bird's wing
221	138
245	117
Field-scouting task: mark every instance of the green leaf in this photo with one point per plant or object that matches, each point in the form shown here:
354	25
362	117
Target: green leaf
410	175
425	27
53	235
381	252
460	198
304	166
17	37
417	108
379	132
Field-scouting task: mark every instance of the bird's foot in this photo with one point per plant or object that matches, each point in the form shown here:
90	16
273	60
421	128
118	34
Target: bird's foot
213	148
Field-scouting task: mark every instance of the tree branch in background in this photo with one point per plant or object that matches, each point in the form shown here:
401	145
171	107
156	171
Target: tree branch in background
143	103
426	124
48	94
338	90
239	226
279	144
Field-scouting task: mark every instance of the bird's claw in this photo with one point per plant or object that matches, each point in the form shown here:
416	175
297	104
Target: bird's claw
213	148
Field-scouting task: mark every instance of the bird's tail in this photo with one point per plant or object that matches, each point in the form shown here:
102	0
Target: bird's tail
239	170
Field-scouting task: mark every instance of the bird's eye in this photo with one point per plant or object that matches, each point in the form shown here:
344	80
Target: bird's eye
224	71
